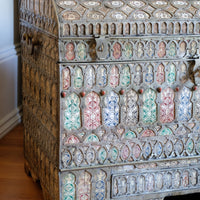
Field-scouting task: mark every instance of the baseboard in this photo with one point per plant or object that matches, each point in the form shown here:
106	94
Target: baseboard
10	121
10	51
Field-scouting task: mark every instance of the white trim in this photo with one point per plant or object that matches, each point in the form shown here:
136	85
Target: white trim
10	51
10	121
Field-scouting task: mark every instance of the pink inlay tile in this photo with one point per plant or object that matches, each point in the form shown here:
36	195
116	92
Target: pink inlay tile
70	54
92	112
148	133
117	52
66	79
114	77
160	74
162	49
167	106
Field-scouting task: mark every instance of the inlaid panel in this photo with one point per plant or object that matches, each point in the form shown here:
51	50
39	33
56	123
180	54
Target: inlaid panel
167	106
124	104
130	108
111	110
152	182
92	112
138	75
118	49
149	106
100	185
66	78
143	182
160	74
89	77
185	105
70	54
78	78
84	186
114	77
72	118
69	187
125	76
149	75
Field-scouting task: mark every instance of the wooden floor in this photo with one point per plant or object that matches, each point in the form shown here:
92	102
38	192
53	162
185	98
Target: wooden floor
14	183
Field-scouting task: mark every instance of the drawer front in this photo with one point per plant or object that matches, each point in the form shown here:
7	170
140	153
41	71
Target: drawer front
108	48
131	182
119	112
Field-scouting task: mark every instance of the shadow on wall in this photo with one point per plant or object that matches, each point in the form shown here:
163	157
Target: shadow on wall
16	21
195	196
16	37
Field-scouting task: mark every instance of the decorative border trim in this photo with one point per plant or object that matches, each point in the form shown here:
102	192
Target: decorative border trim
155	181
130	49
9	52
10	121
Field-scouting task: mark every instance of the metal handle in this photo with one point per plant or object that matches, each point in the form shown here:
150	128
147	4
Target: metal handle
31	41
193	74
27	37
196	72
102	47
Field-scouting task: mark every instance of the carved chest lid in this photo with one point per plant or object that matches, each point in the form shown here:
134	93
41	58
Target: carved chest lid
95	11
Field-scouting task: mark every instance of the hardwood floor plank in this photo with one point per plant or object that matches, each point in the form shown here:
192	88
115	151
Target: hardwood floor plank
14	183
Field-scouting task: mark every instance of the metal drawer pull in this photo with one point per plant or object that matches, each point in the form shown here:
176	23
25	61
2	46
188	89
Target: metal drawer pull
101	47
32	41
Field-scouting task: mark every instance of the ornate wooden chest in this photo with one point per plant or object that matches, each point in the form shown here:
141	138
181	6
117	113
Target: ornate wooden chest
111	98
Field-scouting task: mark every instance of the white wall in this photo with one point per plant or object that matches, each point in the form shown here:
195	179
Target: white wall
10	103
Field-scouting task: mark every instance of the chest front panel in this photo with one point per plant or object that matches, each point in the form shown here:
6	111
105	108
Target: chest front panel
138	107
131	105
